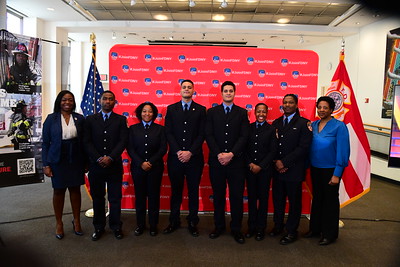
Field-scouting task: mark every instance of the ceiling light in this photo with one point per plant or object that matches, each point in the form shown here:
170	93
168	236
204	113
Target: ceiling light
192	3
171	38
133	2
218	17
160	17
224	4
50	9
283	20
114	36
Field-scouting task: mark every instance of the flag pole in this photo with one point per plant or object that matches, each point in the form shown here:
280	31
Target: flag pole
90	212
341	57
93	41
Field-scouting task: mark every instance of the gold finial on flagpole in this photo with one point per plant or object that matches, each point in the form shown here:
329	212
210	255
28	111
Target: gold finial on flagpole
92	38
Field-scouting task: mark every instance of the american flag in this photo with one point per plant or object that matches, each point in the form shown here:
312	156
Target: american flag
90	102
356	177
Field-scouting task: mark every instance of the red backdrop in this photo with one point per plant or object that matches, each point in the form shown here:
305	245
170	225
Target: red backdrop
153	73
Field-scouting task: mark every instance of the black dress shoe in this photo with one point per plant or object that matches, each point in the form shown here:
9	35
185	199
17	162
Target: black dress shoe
325	241
239	237
153	230
97	234
139	230
171	228
215	234
249	234
287	239
118	234
276	231
310	234
193	230
260	235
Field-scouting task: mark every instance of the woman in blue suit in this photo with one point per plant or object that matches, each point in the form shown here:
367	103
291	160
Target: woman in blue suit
63	157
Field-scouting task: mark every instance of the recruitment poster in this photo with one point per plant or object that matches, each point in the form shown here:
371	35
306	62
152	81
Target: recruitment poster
20	109
153	73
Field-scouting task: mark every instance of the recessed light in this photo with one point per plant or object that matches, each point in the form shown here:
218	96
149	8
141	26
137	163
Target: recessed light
160	17
50	9
218	17
283	20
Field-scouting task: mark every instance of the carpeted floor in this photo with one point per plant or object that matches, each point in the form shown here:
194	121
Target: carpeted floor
370	237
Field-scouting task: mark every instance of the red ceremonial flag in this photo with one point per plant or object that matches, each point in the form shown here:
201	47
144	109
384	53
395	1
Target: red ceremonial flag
356	177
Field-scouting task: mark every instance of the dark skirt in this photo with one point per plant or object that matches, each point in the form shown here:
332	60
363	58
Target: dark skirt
68	172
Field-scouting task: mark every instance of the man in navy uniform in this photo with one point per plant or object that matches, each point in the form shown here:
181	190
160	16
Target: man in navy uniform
294	139
105	139
227	130
184	124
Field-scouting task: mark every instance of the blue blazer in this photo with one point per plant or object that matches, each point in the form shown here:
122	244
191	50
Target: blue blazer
52	137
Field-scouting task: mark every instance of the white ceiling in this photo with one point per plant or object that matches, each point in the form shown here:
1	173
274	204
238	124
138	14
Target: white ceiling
241	25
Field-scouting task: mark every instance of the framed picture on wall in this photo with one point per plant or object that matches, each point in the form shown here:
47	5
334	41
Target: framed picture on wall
394	150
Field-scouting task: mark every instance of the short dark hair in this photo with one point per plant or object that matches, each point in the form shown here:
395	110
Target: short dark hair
57	102
187	80
261	104
327	99
139	110
228	83
296	99
107	92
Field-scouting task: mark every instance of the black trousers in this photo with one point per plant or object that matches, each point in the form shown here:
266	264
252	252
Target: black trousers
291	190
325	207
258	192
235	178
177	171
147	190
100	177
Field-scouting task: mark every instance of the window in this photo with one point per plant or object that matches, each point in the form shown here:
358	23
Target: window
14	22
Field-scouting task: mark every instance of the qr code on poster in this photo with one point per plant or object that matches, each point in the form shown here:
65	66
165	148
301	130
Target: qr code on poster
26	166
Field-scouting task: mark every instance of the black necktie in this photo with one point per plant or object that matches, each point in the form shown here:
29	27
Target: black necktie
146	126
105	117
186	107
227	110
285	122
258	125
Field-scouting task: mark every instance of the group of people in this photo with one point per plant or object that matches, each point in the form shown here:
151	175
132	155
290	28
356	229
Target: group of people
239	153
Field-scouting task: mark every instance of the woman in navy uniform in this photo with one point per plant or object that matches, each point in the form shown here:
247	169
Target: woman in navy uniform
294	139
147	145
261	151
63	158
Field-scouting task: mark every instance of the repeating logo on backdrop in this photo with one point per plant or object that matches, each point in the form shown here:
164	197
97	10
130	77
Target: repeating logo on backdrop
125	91
295	74
284	85
114	55
193	70
227	71
261	73
147	57
147	81
114	79
125	68
249	107
215	59
159	93
249	84
182	58
125	184
159	117
126	114
215	83
284	62
261	96
159	70
250	60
